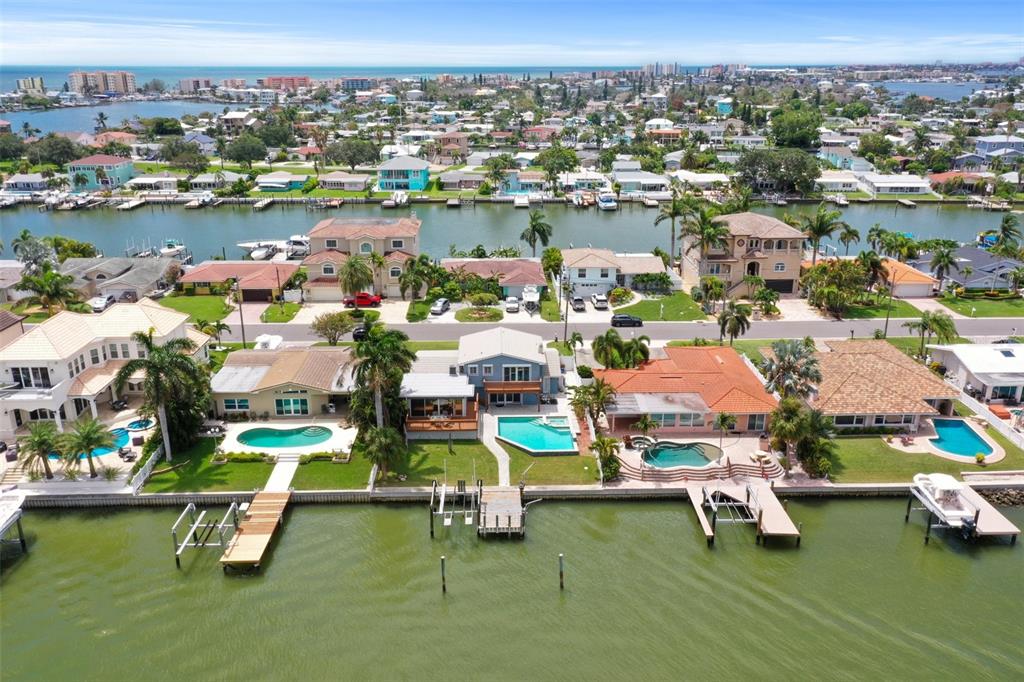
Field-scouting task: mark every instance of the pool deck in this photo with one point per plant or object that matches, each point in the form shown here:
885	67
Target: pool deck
341	437
922	442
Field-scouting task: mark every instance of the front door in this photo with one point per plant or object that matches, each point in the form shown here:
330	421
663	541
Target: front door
500	399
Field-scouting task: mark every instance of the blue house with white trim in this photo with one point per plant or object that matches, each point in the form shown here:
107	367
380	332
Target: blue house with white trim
509	367
406	173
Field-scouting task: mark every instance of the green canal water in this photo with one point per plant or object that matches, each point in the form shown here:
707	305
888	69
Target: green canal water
353	592
631	229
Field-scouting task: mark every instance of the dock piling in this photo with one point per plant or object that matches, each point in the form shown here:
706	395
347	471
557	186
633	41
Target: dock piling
444	579
21	536
800	530
561	571
910	501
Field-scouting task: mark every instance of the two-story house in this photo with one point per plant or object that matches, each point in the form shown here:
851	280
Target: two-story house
758	245
333	240
987	145
509	367
65	367
100	171
406	173
598	271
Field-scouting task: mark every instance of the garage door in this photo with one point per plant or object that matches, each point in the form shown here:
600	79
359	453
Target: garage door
256	295
783	286
323	294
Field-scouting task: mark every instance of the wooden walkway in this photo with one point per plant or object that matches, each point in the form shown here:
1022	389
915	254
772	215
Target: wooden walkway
256	530
990	521
501	512
754	502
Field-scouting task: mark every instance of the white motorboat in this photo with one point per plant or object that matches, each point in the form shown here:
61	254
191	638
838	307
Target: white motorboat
265	252
941	493
606	201
297	246
172	248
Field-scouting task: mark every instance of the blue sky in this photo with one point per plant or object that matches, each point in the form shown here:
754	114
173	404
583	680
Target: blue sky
508	32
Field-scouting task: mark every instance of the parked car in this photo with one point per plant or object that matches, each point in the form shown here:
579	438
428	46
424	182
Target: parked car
626	321
599	301
440	306
359	333
577	304
362	300
101	303
511	304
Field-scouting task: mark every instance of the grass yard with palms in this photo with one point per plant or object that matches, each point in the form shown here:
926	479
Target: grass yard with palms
677	307
210	308
900	309
324	475
983	307
195	471
427	461
277	312
33	314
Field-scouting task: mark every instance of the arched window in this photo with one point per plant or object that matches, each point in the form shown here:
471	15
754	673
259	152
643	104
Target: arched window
396	271
328	269
366	247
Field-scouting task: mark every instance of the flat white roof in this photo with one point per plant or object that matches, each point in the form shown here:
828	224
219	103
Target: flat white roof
436	386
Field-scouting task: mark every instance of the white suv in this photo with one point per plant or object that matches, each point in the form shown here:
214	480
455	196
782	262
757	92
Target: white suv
599	301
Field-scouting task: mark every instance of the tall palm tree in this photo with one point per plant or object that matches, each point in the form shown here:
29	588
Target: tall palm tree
377	265
645	425
101	175
707	232
49	288
712	289
608	348
733	321
538	230
1016	278
602	396
875	234
787	424
167	369
822	224
723	422
412	279
635	352
383	446
28	130
1008	234
943	260
792	369
101	121
355	275
873	266
575	339
79	179
675	209
380	361
86	436
42	441
849	235
216	329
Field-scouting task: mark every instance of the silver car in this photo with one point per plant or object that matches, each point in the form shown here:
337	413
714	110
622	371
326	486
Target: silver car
440	306
511	304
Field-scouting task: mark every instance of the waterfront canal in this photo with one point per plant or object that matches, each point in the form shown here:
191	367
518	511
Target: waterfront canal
353	592
206	231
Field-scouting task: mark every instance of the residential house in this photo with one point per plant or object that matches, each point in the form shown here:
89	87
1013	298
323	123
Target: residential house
836	181
757	245
344	181
107	136
871	384
524	182
126	279
64	367
701	181
598	271
749	141
283	382
5	127
658	124
640	181
969	161
442	402
462	179
907	281
509	367
986	145
406	173
978	268
904	183
513	274
11	326
101	171
207	144
990	371
589	180
215	180
259	281
537	134
25	182
333	240
454	145
10	274
160	182
280	181
238	122
686	389
667	135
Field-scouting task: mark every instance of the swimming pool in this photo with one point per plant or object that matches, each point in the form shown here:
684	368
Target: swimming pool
140	424
284	438
120	440
664	455
538	434
956	437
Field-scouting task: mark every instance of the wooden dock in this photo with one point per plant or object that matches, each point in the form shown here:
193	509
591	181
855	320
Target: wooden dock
990	522
753	503
907	203
262	204
256	530
502	512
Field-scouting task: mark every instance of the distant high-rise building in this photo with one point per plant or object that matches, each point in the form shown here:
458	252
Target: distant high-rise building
284	82
31	86
122	82
234	83
190	85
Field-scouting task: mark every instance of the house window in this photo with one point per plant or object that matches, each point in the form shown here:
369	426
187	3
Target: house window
397	243
756	422
31	377
103	350
330	243
893	419
780	245
780	267
113	351
124	351
665	419
848	420
291	406
488	370
474	370
690	419
581	273
94	356
328	269
236	404
141	351
716	269
366	247
515	373
396	272
604	273
1003	392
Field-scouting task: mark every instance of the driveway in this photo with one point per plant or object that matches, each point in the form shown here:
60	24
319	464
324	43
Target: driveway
934	306
252	312
799	310
308	311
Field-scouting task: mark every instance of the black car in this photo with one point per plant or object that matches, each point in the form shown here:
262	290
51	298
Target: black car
577	304
626	321
359	333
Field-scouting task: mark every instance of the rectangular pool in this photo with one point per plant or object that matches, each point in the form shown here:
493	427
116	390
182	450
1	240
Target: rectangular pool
537	434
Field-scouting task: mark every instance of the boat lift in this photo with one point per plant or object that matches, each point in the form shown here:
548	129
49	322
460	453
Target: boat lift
462	502
200	532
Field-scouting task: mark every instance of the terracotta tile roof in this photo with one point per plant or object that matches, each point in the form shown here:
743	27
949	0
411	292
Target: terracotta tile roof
250	274
509	271
356	228
589	258
322	282
901	273
715	374
756	225
874	377
325	256
398	256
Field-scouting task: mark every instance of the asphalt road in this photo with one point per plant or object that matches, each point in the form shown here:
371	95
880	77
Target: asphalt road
662	331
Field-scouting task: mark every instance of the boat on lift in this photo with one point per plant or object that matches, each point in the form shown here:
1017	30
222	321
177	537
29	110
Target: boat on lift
172	248
606	201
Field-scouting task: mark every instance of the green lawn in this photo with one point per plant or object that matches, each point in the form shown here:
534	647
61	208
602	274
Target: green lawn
427	461
678	306
962	409
550	469
982	307
34	317
321	475
418	311
562	347
749	347
281	312
868	459
911	345
864	312
474	314
432	345
199	473
217	357
210	308
550	312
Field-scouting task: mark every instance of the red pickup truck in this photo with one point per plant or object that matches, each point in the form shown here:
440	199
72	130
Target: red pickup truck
362	300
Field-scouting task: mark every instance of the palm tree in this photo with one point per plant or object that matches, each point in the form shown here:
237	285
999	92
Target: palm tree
79	179
355	275
875	235
943	260
86	436
575	339
723	422
712	289
1008	234
538	230
792	369
938	324
734	320
101	121
707	232
411	279
216	329
23	241
380	361
168	370
602	396
608	348
607	448
383	446
28	130
101	175
873	267
635	352
849	235
39	444
787	424
675	209
645	425
821	225
377	264
1016	278
50	289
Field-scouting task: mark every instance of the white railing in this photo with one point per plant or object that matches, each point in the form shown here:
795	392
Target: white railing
998	424
139	479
